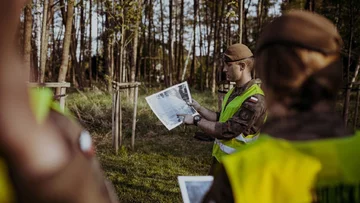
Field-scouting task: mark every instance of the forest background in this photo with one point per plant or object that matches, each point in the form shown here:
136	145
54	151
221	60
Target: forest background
91	43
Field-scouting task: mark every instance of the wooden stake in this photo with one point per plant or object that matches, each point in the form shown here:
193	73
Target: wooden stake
357	107
120	120
117	113
113	119
134	117
62	99
117	98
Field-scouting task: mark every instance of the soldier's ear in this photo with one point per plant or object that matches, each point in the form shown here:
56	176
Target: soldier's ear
242	66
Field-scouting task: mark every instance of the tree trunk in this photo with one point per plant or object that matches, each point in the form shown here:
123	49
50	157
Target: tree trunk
220	39
50	25
99	8
44	42
73	50
150	14
135	47
193	64
90	44
310	5
348	83
170	61
122	45
209	28
54	43
241	15
82	45
176	43
108	45
216	45
201	55
165	68
66	44
259	15
27	42
246	11
181	42
228	36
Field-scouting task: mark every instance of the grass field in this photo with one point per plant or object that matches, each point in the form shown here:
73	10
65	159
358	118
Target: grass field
149	173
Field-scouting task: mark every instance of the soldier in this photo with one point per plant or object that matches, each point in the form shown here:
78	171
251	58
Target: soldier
304	153
46	156
243	110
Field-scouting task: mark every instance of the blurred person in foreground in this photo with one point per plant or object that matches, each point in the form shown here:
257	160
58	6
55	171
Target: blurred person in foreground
243	109
45	156
304	153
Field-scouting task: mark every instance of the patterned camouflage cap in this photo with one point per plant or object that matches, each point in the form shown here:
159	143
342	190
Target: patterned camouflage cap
237	52
303	29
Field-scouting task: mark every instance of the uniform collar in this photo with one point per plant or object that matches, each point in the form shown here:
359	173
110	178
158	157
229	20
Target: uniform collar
247	85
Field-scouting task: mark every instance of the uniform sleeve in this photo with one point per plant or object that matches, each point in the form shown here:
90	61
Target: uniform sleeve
220	190
247	120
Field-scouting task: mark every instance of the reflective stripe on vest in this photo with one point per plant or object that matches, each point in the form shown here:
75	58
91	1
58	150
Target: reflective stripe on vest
224	147
240	138
247	139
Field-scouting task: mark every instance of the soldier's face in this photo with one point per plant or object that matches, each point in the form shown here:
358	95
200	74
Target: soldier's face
233	71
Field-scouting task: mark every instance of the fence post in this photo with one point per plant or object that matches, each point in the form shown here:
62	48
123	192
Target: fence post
62	98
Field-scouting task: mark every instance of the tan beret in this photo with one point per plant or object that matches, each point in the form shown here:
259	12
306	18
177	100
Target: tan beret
237	52
303	29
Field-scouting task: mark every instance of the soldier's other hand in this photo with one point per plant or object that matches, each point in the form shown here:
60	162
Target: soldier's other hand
195	104
188	119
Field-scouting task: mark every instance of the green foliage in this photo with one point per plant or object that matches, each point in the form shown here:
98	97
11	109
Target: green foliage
148	174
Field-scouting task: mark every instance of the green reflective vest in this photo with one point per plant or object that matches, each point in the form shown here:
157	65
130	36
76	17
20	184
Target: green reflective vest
276	170
41	102
224	147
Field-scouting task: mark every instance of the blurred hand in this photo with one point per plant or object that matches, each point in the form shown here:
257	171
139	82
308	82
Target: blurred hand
23	147
195	104
188	119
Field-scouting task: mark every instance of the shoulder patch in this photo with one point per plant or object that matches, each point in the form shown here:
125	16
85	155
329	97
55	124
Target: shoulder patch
246	114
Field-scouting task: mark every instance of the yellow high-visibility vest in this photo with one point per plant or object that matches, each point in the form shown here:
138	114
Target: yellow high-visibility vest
225	147
280	171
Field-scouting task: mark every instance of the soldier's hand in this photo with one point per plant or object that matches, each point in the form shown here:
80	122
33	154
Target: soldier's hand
188	119
195	104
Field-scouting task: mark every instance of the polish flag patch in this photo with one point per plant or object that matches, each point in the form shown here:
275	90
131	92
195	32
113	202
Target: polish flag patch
253	99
